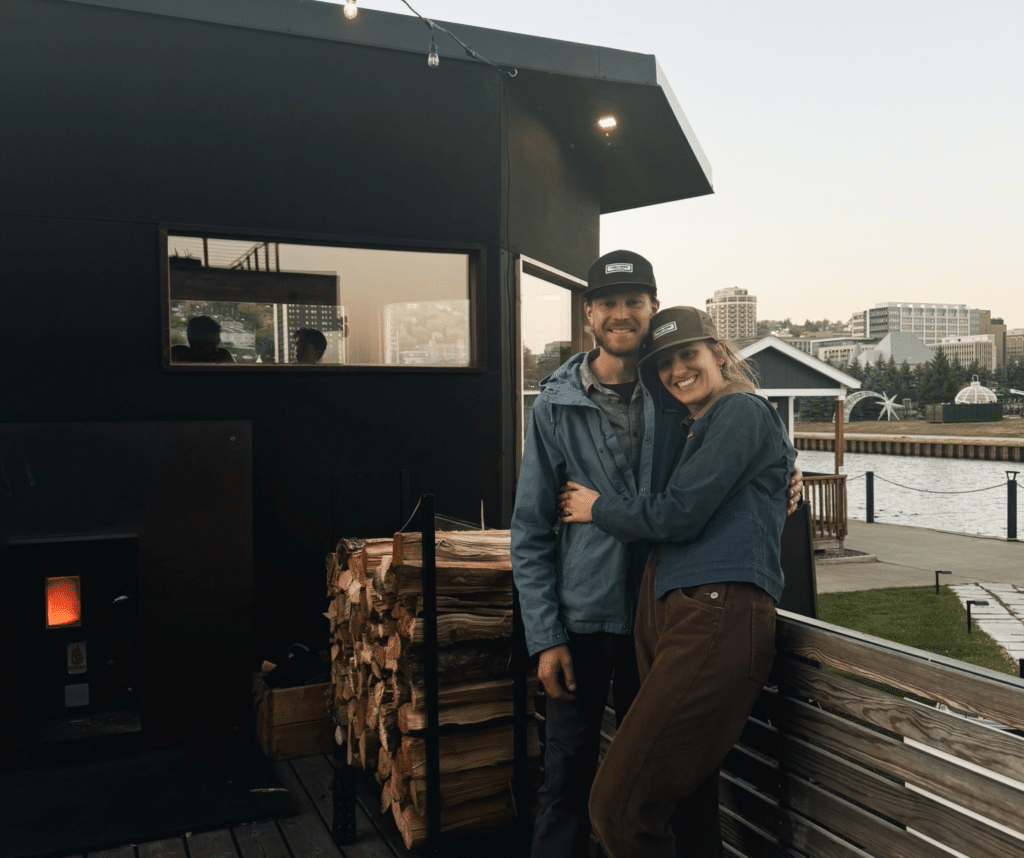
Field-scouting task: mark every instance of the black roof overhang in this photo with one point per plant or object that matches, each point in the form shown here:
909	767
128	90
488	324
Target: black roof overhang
651	157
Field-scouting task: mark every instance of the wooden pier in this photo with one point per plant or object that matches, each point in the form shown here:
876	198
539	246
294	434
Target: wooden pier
991	449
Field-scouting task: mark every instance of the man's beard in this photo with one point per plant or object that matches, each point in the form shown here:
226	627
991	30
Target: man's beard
599	338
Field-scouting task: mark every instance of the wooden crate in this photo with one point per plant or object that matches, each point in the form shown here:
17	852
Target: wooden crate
292	722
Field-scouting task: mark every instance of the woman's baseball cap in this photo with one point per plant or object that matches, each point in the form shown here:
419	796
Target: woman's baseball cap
675	326
620	268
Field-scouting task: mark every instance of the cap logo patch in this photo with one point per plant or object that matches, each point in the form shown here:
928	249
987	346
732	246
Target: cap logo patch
661	330
619	268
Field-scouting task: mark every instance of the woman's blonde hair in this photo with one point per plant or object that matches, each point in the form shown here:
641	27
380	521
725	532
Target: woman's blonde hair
735	369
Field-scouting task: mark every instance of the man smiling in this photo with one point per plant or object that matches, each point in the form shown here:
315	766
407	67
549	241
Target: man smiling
578	587
595	422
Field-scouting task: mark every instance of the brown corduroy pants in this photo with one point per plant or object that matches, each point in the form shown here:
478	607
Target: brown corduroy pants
704	655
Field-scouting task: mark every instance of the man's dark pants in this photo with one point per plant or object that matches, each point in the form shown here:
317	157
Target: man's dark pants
572	738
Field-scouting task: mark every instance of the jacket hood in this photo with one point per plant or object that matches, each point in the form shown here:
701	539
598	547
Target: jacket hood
563	386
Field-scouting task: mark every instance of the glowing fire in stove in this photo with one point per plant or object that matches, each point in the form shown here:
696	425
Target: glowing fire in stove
63	602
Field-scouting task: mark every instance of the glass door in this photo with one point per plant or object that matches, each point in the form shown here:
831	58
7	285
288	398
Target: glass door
550	325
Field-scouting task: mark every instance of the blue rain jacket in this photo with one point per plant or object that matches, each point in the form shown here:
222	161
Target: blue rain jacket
721	515
574	576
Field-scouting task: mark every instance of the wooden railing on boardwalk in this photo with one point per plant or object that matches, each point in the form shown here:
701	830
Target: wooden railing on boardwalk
826	495
833	765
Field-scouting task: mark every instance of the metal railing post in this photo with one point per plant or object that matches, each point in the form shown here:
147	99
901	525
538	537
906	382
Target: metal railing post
869	482
1011	504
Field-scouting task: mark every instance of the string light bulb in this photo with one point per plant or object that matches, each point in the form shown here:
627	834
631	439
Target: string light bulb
350	9
432	58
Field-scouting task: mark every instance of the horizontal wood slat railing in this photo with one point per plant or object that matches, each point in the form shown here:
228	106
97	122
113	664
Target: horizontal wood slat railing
834	766
826	495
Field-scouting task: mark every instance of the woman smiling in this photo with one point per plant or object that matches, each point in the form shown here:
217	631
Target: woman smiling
705	623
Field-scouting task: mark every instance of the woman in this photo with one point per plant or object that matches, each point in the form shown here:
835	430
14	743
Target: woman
705	623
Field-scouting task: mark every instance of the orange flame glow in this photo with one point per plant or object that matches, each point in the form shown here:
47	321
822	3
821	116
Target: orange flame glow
63	602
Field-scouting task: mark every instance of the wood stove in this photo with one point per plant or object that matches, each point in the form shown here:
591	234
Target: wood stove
76	666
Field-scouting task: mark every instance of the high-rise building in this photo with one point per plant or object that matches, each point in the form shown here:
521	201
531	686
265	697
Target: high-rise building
1015	344
995	327
978	348
930	323
734	313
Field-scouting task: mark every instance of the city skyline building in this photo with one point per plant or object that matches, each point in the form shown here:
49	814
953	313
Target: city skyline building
930	323
975	348
1015	344
734	312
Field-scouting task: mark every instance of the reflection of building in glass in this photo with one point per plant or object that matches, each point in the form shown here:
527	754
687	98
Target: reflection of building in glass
326	318
245	327
238	340
431	333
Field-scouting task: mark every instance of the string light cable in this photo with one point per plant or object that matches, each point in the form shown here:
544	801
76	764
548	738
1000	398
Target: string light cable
432	57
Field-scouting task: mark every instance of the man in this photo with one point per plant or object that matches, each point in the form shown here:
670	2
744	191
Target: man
310	345
203	334
594	422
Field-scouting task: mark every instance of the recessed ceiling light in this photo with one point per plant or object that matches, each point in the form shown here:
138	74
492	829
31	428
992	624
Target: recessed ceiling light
607	122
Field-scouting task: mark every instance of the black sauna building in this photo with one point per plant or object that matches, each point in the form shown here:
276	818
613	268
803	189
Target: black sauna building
275	167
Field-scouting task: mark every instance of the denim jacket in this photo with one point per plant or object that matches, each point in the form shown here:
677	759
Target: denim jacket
721	516
573	576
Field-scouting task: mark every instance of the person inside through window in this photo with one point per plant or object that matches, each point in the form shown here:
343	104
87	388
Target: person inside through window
204	346
310	345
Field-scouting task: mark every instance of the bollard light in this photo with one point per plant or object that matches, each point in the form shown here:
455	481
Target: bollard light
939	572
969	603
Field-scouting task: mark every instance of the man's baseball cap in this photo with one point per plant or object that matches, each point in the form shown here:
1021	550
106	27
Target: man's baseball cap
675	326
620	268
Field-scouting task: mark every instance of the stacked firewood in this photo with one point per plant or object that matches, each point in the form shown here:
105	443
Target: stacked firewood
375	587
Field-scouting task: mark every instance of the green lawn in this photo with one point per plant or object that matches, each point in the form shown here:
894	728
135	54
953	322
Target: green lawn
915	616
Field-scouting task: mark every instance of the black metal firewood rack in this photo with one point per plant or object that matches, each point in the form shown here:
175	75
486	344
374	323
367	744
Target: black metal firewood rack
346	776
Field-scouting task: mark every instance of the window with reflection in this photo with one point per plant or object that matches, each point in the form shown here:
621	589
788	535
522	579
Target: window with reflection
267	303
546	318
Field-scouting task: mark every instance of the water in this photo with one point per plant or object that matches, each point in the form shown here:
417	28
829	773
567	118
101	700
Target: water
921	504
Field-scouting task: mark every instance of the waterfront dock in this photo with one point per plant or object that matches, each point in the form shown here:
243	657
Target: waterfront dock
899	556
944	446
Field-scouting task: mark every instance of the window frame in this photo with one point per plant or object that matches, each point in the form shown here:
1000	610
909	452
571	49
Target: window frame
476	294
575	286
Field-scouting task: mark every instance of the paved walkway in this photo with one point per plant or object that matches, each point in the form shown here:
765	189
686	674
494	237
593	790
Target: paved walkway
981	567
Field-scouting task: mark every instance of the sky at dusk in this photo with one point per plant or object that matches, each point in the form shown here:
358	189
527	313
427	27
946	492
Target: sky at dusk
860	153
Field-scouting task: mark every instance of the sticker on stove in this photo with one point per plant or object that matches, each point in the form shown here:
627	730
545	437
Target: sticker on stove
76	658
76	695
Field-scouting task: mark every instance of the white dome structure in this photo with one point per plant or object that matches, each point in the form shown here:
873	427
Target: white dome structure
975	394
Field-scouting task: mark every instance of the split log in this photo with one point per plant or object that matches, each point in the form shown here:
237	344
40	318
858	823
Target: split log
480	546
454	578
463	751
369	747
468	816
383	766
462	662
454	628
411	719
465	693
460	787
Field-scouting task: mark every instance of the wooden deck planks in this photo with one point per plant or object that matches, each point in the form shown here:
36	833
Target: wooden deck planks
260	840
317	775
171	848
305	833
119	852
212	844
